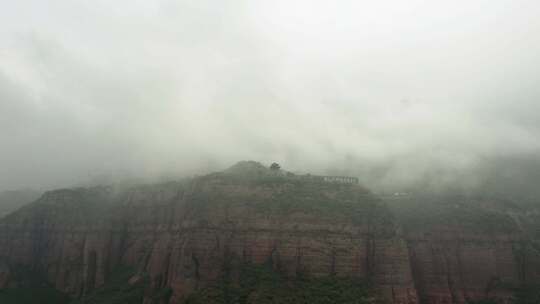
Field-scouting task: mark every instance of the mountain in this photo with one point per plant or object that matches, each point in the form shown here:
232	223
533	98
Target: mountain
13	199
254	235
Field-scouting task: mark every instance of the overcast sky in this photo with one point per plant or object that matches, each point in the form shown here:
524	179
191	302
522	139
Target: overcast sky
392	91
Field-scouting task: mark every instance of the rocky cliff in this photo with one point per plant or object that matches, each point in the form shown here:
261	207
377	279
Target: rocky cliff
182	237
466	249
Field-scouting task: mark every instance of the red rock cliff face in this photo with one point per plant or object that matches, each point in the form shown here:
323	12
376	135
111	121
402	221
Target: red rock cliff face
182	235
468	250
454	267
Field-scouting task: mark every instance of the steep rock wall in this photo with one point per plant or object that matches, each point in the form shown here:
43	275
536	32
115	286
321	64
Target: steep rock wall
456	268
183	234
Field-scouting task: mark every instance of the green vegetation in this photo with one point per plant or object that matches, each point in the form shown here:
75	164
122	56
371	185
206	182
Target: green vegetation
119	290
32	295
338	201
529	294
116	290
262	285
473	214
31	289
281	196
275	166
484	301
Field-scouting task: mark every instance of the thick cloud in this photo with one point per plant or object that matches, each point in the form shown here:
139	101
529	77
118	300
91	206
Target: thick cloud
399	93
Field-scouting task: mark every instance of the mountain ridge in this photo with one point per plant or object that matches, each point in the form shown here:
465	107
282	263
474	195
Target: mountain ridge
183	236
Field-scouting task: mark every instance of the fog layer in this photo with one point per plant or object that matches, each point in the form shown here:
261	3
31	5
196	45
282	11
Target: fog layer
399	93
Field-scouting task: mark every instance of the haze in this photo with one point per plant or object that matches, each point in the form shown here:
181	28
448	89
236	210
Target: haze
399	93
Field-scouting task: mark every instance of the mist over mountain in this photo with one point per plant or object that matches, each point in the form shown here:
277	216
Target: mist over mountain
15	199
403	95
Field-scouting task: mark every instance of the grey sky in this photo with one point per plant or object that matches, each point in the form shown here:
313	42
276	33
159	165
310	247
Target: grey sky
393	91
